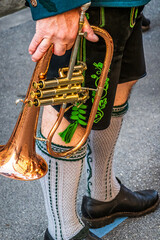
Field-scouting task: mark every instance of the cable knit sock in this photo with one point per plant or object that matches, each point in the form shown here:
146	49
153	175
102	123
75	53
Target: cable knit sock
60	187
101	182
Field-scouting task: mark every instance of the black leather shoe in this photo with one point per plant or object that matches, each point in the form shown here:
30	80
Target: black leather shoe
145	23
84	234
97	214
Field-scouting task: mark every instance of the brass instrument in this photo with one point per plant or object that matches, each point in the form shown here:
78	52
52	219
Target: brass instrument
18	158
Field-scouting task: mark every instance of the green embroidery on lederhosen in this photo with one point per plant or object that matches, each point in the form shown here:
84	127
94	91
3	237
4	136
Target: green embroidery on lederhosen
87	15
103	101
77	115
133	16
102	17
49	5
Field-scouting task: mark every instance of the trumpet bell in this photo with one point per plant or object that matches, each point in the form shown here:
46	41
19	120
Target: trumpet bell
19	165
18	158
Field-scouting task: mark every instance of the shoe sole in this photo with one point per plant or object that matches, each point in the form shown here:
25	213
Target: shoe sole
145	28
101	222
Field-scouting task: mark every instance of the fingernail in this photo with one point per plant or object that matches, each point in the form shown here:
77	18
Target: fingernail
34	60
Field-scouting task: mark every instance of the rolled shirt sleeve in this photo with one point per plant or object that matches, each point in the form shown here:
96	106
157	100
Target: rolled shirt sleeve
47	8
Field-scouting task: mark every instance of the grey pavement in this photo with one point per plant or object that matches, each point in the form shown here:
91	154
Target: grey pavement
10	6
137	157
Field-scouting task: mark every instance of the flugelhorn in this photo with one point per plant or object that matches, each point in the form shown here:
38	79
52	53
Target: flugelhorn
18	158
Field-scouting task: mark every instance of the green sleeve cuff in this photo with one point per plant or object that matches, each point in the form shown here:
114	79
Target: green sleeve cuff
48	8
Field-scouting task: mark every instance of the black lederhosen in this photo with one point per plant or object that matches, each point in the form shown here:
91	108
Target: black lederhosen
128	59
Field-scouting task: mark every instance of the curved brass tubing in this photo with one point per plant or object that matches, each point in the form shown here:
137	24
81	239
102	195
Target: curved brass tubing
107	61
18	158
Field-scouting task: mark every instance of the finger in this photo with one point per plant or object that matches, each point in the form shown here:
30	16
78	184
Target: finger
37	39
91	36
69	46
59	49
41	50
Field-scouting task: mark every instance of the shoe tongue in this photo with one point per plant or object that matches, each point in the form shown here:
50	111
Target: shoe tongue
82	234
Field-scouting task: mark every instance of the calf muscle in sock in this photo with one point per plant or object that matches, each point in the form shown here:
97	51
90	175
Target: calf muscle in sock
60	192
101	182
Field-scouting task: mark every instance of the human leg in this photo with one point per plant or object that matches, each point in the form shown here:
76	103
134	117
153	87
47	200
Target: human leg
107	197
60	186
123	92
103	185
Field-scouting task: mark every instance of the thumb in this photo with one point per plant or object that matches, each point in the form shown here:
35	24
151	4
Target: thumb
91	36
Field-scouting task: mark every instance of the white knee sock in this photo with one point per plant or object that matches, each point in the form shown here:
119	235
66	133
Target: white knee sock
60	187
101	182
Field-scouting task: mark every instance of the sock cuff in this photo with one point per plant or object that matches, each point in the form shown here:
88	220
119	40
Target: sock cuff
79	155
120	110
